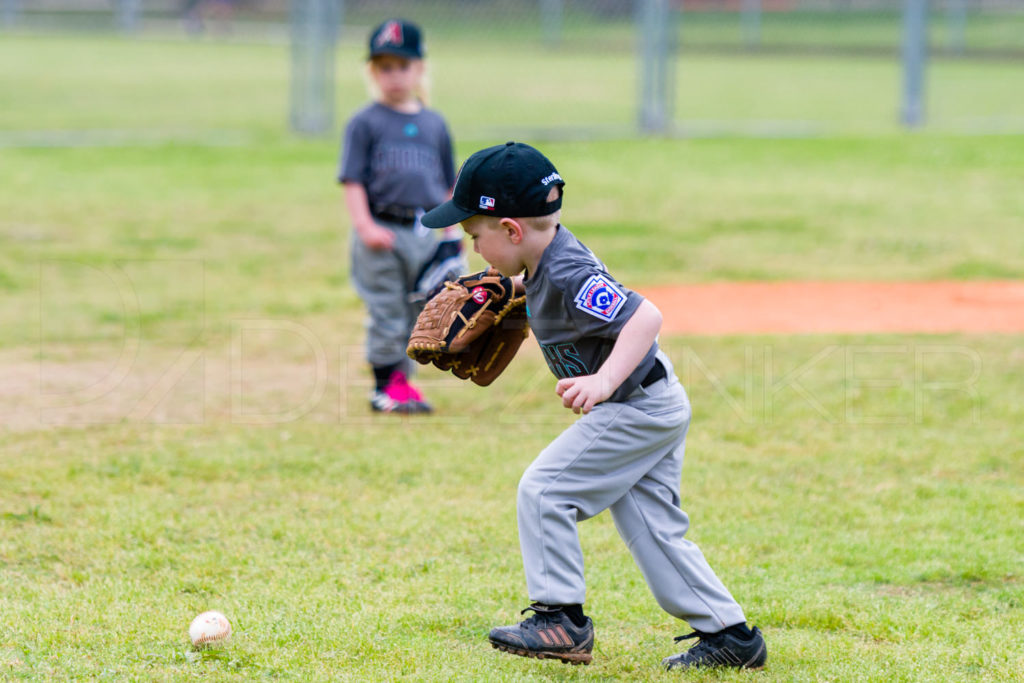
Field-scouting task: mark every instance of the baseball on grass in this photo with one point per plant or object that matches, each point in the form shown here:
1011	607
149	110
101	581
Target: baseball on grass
209	629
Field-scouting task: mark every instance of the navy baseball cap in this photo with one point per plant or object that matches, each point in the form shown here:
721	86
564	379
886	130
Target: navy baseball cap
397	37
512	180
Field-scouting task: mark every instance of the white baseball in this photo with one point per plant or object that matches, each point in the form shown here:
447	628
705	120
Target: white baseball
209	628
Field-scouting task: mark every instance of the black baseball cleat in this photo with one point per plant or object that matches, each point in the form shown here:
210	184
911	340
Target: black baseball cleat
721	650
548	634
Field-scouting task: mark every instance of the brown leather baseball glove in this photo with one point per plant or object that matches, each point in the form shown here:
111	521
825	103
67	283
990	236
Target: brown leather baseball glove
473	327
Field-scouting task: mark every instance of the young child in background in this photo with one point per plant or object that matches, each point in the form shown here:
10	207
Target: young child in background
624	454
396	163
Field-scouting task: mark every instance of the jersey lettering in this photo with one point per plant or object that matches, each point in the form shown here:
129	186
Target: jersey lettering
564	360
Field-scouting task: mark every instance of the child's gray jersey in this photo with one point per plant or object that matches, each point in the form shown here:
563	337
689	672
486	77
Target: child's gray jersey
577	310
405	163
403	160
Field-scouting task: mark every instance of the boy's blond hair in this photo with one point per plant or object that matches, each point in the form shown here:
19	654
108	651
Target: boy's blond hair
542	223
539	223
548	222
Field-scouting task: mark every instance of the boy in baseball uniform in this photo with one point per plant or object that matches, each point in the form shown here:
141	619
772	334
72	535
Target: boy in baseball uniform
625	453
396	162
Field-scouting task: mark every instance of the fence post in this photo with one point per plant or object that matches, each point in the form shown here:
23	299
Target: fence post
128	15
656	40
915	53
314	33
750	17
10	11
551	12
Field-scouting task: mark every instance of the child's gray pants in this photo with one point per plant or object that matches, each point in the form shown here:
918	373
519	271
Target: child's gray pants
626	456
384	280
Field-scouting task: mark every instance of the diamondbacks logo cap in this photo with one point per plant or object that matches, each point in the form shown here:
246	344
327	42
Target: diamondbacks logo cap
512	180
397	37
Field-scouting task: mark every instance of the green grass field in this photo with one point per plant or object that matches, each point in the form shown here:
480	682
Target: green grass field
183	397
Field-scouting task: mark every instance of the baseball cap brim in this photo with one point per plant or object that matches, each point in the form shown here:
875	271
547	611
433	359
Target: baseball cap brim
445	214
405	53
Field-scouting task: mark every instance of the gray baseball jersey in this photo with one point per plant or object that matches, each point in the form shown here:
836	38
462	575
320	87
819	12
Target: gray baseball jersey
403	160
577	309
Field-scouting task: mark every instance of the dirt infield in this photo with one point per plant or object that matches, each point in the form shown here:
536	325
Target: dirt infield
841	307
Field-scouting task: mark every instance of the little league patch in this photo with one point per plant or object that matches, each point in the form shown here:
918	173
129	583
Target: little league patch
600	297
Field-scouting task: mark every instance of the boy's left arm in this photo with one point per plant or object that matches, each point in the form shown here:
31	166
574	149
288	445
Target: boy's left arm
583	393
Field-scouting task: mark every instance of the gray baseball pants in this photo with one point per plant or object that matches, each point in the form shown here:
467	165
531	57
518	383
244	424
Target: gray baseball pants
628	457
383	280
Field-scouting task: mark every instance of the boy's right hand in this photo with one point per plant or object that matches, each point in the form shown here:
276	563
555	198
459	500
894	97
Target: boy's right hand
581	394
375	237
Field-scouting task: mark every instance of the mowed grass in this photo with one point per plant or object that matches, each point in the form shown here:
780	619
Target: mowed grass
868	519
183	396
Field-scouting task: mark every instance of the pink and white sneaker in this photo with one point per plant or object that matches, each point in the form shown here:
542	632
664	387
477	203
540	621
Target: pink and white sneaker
399	396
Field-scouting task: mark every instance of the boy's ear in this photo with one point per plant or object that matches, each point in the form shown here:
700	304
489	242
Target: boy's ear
513	229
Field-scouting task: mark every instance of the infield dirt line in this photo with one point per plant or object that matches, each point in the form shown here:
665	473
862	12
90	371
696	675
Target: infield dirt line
840	307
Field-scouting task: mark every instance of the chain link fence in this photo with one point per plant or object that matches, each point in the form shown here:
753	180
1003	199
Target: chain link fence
586	68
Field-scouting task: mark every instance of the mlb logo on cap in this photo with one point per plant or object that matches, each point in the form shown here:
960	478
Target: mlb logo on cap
486	203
